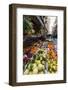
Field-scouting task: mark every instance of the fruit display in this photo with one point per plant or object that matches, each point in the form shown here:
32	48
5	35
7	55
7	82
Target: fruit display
52	58
40	60
37	64
52	66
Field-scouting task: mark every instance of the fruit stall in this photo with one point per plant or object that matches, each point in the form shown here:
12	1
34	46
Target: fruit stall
39	58
39	52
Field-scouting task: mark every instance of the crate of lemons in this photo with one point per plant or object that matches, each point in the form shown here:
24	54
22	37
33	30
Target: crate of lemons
40	64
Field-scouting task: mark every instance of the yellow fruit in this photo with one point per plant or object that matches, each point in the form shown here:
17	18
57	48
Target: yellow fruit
54	62
35	70
43	62
51	65
41	66
26	72
48	61
37	61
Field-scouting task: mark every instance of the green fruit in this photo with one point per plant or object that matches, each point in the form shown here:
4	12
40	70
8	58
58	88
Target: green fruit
35	70
34	65
54	67
44	55
41	67
37	61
